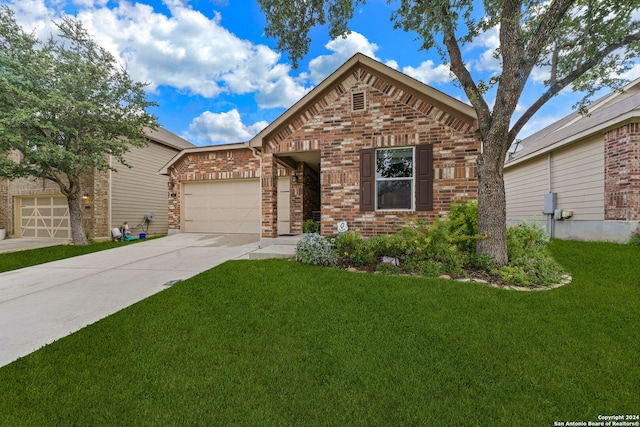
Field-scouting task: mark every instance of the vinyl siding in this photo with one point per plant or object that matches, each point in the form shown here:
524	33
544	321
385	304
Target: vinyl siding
141	189
525	186
577	176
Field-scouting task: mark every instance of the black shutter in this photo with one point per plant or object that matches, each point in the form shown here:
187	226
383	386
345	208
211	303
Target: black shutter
367	179
424	177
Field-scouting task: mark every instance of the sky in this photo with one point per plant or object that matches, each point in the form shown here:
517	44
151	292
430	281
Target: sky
218	79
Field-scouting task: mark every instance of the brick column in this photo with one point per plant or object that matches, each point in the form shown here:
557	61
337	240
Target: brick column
622	173
269	170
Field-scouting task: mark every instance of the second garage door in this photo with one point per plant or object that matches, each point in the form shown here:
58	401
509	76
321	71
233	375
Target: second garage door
222	206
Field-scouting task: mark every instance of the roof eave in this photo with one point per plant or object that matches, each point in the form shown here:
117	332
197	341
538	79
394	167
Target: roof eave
601	127
202	149
440	98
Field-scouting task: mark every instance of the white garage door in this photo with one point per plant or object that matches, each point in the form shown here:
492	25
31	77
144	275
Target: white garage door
222	206
44	217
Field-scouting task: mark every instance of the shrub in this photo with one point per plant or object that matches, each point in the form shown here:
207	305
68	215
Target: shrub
529	261
463	224
354	250
316	250
635	237
525	241
430	268
480	261
310	226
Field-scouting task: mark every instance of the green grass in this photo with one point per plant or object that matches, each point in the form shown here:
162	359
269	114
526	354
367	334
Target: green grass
261	343
15	260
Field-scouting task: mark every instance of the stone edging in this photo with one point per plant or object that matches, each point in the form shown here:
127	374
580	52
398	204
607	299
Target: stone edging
565	281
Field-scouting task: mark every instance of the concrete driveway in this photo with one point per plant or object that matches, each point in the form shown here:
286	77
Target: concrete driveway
44	303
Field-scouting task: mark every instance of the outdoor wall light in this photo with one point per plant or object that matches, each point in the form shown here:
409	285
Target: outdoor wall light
295	178
86	197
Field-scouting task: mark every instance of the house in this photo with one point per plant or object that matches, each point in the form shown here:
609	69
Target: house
36	208
369	148
580	176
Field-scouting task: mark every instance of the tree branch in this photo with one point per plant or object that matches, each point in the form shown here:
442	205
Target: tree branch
567	80
462	73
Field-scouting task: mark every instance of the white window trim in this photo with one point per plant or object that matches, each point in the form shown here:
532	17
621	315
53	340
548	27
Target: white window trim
412	179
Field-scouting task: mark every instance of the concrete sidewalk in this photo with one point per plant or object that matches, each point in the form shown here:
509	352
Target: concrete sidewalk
41	304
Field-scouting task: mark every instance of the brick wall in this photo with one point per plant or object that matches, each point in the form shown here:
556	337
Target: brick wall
622	173
208	166
392	118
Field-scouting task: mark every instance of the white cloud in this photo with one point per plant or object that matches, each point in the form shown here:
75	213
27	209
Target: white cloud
211	128
392	63
536	123
186	50
429	73
343	48
489	41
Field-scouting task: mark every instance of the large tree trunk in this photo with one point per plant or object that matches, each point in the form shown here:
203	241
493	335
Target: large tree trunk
75	213
492	205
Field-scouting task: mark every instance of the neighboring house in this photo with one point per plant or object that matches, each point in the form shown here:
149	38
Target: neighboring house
36	208
369	146
590	165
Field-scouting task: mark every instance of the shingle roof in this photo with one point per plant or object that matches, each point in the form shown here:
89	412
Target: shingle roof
608	111
163	136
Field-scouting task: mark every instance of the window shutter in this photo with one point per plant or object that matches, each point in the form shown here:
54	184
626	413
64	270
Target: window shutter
367	179
424	177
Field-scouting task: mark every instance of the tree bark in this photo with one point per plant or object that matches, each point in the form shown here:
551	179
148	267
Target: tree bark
78	234
492	203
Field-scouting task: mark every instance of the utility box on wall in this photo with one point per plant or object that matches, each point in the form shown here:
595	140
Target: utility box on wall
549	205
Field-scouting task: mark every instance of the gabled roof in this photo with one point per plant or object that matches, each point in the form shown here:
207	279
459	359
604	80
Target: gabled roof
201	149
440	100
163	136
610	111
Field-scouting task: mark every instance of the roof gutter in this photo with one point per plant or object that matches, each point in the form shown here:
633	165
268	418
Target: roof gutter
604	126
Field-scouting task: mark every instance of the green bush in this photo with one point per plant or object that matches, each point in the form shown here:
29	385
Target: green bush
526	240
430	268
635	237
529	261
482	262
316	250
354	250
310	226
463	224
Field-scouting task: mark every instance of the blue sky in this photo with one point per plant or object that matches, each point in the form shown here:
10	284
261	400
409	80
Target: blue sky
218	79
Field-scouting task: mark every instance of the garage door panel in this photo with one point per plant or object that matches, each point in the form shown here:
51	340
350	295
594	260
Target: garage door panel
222	207
44	217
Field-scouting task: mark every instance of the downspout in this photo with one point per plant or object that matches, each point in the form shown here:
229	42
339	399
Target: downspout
551	223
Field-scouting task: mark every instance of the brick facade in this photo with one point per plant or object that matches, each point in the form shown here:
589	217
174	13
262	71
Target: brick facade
622	173
211	165
362	107
392	117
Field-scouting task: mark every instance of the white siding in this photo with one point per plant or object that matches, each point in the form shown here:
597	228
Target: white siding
577	176
525	186
141	189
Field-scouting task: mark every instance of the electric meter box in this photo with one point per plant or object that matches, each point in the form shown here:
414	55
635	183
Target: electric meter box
549	203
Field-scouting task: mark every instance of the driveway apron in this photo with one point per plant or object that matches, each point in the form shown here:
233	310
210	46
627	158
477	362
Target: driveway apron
44	303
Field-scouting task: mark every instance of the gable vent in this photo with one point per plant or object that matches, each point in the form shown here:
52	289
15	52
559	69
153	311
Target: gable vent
357	101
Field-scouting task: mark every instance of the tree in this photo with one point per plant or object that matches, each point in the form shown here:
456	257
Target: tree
585	44
67	107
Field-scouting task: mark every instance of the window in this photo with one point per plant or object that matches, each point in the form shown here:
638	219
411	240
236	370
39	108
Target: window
396	179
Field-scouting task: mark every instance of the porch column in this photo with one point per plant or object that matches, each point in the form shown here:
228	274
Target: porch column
269	196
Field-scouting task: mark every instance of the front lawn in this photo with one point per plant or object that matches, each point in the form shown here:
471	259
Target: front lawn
279	343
